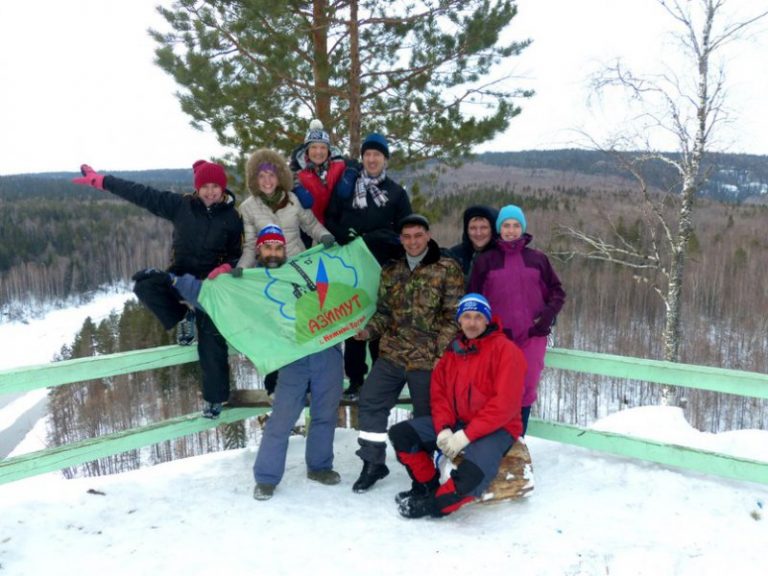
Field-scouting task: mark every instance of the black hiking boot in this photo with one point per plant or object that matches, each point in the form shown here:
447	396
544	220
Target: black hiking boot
148	273
327	477
419	489
263	491
370	474
419	507
212	410
352	393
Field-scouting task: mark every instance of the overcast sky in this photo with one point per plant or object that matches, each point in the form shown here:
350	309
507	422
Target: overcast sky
78	83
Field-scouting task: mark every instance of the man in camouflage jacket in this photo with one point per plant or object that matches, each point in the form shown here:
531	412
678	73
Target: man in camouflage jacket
417	300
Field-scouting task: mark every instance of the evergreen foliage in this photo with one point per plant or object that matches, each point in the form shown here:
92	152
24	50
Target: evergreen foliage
422	72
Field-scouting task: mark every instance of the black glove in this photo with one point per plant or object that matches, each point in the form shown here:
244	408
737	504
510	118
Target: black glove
542	325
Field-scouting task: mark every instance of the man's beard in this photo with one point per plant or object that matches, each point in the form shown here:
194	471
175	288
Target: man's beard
272	261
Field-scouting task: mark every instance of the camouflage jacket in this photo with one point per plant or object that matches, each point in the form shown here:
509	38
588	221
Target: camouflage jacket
415	314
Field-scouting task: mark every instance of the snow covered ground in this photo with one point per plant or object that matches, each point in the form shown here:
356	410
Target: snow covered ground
37	341
590	514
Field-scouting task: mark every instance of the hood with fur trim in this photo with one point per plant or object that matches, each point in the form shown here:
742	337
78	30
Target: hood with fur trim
259	157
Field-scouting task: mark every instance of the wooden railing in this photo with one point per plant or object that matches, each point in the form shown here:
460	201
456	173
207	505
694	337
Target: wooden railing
705	378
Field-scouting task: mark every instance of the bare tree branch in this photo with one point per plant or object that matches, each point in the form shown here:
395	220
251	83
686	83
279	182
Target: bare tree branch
691	115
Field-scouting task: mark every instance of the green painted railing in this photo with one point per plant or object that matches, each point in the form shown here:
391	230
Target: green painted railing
714	379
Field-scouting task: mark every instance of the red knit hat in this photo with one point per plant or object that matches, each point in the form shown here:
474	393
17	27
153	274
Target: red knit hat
209	173
270	234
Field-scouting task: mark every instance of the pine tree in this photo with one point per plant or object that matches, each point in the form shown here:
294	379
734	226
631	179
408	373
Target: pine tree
423	72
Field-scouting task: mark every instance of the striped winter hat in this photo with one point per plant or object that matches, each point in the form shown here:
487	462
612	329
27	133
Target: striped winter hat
270	234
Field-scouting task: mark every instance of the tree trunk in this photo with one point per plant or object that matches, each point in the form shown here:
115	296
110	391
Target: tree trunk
354	80
320	62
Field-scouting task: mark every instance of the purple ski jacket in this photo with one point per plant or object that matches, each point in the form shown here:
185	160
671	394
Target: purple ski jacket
521	286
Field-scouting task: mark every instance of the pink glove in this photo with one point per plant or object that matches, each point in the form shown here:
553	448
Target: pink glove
223	269
90	177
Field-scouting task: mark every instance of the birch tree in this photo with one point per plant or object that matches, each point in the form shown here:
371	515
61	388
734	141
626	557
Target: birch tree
690	107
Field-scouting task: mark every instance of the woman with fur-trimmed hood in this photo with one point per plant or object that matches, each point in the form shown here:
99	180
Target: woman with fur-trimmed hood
271	202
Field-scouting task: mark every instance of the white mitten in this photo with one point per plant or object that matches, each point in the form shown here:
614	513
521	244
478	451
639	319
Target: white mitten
456	443
443	438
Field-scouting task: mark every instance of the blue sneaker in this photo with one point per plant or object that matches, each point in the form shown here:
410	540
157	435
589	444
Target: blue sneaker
185	330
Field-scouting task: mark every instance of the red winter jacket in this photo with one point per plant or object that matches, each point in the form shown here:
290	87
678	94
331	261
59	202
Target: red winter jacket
321	193
478	384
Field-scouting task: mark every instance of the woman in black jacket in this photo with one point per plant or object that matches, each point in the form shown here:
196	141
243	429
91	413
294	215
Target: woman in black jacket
207	234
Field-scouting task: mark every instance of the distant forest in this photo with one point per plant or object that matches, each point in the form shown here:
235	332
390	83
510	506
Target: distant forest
60	239
732	177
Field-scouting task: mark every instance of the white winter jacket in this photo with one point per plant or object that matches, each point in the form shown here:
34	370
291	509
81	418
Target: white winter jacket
291	218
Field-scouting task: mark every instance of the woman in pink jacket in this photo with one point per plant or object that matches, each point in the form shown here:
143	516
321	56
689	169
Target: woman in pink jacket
524	292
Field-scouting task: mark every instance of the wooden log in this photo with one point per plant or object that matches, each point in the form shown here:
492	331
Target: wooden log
515	476
252	398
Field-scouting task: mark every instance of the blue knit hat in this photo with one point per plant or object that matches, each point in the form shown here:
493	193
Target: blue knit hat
510	211
375	141
476	303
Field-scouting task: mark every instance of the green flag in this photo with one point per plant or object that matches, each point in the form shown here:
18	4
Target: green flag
315	300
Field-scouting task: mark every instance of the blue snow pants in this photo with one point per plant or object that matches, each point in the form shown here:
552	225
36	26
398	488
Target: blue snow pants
322	375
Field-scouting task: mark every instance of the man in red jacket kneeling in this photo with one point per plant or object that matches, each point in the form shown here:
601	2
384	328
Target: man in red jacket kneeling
476	392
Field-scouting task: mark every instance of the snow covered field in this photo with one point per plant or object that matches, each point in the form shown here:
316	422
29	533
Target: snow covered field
589	515
37	341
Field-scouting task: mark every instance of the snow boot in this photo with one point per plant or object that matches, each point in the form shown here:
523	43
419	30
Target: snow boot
419	489
212	410
148	273
369	475
419	506
352	393
263	491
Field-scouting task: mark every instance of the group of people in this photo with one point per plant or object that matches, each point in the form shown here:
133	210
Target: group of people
464	328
